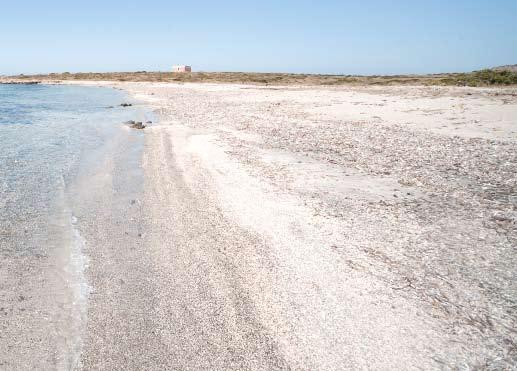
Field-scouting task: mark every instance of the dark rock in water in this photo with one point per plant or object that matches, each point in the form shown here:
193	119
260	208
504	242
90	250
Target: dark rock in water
138	125
126	105
135	124
148	122
110	107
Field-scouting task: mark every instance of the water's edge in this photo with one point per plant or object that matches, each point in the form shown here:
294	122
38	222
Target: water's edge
45	277
93	193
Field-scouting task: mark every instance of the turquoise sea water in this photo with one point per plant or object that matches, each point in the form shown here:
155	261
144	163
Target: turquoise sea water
47	133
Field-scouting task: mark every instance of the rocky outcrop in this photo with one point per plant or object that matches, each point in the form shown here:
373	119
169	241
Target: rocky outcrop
509	67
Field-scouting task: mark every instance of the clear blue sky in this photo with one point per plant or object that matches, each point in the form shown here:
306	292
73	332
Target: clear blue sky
327	36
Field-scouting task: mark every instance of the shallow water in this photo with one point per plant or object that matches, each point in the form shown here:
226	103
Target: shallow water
46	133
52	139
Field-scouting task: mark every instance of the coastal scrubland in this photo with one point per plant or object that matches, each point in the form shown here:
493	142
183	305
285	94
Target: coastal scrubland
486	77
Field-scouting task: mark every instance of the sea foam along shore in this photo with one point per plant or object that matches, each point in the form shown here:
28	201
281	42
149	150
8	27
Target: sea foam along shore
328	227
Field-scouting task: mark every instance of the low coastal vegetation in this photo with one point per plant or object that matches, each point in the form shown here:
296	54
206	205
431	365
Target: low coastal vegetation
487	77
481	78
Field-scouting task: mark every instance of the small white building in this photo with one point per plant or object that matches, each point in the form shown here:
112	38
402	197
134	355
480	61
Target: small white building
181	69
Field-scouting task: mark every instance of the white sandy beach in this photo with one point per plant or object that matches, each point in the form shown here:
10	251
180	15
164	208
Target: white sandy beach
328	228
258	185
311	228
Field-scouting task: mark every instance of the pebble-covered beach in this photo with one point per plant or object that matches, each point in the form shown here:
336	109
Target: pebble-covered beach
298	227
334	228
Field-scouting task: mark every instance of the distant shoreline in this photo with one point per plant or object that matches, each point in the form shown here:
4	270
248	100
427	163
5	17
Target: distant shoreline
8	82
489	77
